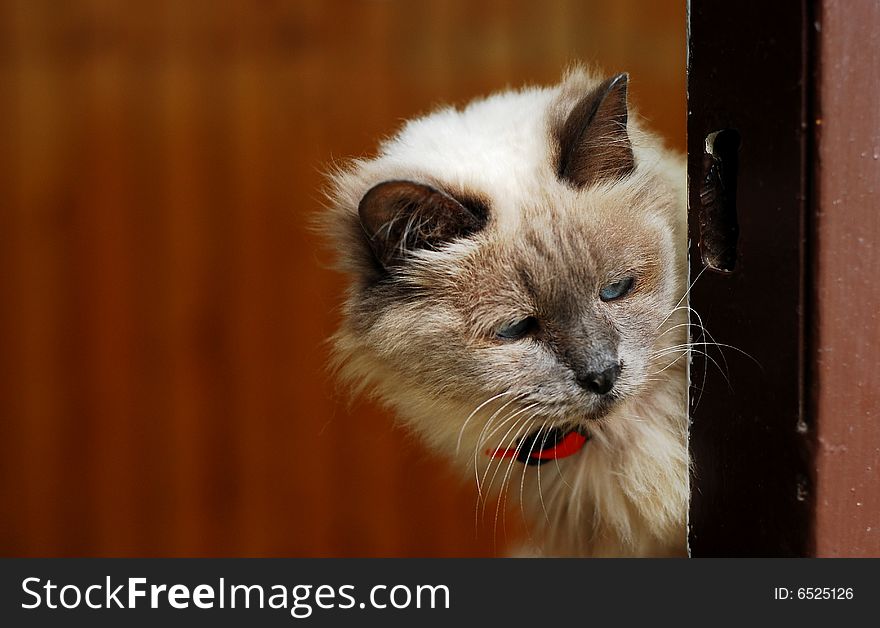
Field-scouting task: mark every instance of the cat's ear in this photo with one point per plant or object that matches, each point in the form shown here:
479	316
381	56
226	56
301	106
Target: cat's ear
400	216
593	143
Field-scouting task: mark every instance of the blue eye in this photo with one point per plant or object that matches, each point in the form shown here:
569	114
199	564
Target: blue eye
617	289
518	329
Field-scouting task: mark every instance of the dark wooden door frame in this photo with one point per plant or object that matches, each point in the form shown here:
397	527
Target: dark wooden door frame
787	453
748	71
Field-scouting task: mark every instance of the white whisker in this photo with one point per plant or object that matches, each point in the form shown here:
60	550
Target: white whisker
504	440
471	416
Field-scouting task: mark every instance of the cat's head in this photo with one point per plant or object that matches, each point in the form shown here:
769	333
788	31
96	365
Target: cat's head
519	258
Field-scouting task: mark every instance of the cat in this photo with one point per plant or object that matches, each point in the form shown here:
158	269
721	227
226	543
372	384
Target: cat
518	275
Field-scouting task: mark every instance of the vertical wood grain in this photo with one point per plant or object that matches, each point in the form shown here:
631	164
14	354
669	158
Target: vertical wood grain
164	303
847	255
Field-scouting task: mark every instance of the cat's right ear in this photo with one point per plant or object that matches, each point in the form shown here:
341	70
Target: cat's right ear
401	216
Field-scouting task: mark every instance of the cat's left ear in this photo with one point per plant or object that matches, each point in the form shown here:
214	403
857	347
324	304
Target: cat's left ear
400	216
593	142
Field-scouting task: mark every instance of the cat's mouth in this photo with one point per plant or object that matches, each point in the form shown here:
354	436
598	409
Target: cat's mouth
544	445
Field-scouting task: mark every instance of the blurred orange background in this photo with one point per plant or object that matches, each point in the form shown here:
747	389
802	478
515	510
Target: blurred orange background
164	307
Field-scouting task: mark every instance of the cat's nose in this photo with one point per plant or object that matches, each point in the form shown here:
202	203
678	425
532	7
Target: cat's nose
599	382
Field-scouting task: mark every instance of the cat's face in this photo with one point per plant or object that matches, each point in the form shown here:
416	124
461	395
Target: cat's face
548	287
567	313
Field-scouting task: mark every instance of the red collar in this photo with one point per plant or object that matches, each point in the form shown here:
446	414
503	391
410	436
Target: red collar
543	445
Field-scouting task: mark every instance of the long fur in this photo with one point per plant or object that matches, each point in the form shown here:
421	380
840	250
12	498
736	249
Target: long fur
421	342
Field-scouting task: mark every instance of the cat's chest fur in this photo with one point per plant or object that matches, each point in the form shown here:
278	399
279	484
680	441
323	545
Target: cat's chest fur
518	270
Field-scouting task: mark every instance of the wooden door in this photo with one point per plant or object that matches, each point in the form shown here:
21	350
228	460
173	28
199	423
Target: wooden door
785	438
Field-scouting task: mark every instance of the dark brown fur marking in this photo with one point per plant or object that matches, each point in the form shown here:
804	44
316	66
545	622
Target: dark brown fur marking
593	142
399	216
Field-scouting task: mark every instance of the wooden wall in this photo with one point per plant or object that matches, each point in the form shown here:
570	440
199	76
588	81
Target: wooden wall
163	305
846	348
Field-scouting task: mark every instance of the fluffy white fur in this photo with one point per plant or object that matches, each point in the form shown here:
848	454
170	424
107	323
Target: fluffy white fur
428	356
